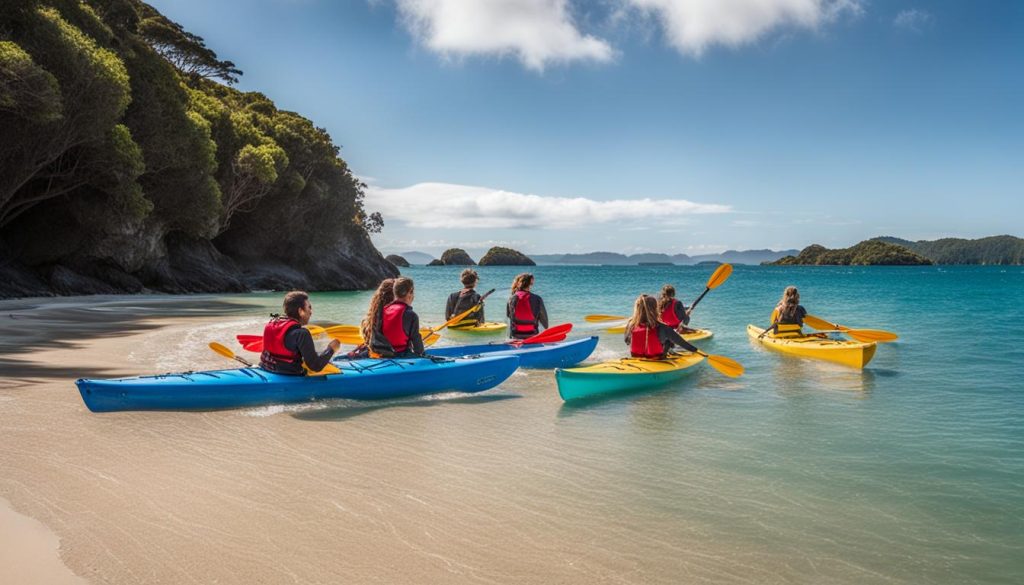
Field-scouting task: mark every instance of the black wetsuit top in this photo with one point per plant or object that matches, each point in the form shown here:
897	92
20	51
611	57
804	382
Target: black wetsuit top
461	301
667	336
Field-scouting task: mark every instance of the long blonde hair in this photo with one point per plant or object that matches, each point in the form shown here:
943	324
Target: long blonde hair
788	303
645	312
382	297
668	294
522	282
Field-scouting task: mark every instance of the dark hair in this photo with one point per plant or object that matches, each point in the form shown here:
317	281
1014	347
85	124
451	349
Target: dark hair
294	301
403	286
469	277
522	281
668	294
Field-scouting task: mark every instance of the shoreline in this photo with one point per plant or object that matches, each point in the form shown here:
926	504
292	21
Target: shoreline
30	551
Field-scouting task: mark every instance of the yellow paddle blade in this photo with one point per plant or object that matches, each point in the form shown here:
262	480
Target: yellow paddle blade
341	329
726	366
819	323
871	335
720	275
429	338
222	350
328	369
315	329
603	318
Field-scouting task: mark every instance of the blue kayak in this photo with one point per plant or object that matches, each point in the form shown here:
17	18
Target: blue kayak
560	354
368	379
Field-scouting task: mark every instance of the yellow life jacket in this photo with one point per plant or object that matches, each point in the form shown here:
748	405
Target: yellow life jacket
785	330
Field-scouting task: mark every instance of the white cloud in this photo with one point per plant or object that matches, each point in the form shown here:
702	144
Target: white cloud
537	32
444	205
914	20
691	26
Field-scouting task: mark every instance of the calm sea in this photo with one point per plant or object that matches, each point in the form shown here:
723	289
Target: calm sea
910	471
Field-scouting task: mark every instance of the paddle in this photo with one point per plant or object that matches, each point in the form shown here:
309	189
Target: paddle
224	351
603	318
724	365
720	275
864	335
463	314
556	333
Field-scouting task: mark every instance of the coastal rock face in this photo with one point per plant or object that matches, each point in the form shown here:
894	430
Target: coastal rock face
870	252
456	257
498	256
397	260
436	262
141	176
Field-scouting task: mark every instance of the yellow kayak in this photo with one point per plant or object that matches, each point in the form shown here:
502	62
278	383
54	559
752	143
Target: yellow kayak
487	327
622	375
697	335
849	353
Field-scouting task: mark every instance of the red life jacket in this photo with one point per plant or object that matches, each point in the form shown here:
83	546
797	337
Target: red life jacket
523	319
669	317
276	357
644	343
392	326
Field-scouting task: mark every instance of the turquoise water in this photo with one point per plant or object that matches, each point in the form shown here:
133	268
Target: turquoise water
909	471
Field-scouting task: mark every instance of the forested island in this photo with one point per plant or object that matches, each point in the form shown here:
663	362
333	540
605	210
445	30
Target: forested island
128	164
887	250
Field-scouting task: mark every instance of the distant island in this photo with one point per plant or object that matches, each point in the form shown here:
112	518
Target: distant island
887	250
499	256
869	252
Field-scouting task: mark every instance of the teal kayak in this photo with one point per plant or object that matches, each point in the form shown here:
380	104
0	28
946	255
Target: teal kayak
623	375
367	379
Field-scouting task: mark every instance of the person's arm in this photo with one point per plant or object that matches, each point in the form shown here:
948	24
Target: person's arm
411	324
480	311
670	337
449	308
629	335
540	312
303	342
801	312
682	313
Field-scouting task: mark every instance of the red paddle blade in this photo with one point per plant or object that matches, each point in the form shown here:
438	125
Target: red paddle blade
550	334
251	342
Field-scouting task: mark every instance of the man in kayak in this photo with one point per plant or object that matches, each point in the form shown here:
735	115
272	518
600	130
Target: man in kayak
399	325
646	336
788	315
287	345
672	311
465	299
525	310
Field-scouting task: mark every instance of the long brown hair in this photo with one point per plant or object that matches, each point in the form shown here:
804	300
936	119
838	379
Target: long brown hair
522	282
382	297
645	312
668	294
788	303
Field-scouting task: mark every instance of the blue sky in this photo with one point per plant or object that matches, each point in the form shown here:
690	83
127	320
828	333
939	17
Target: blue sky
651	125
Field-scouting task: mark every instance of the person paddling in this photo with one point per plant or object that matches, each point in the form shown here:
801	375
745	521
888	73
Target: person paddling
788	315
461	301
287	344
672	311
399	325
646	336
525	310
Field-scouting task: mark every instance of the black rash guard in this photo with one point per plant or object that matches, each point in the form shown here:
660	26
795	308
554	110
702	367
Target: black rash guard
461	301
411	327
667	336
299	339
536	305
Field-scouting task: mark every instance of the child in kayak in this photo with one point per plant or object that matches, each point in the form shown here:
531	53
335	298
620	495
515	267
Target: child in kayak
461	301
395	331
672	311
788	315
525	310
287	344
646	336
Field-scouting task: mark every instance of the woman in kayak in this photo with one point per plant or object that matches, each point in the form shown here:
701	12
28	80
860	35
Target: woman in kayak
788	316
672	311
646	336
396	333
461	301
371	323
525	310
287	344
